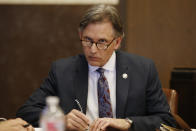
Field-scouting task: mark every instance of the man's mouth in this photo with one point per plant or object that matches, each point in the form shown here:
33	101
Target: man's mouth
93	58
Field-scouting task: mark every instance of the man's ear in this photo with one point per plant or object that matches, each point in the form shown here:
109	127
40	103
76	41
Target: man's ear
80	33
118	42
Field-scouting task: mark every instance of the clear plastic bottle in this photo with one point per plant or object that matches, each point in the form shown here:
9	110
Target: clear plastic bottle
52	117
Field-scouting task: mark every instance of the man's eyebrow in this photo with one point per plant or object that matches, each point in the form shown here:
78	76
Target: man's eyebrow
86	37
102	39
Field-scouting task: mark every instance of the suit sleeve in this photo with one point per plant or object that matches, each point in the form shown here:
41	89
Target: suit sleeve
33	107
157	108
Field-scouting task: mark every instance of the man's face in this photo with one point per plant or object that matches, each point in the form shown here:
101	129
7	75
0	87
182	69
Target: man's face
100	31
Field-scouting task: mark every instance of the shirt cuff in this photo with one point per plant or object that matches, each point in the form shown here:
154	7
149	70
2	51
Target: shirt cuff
2	119
129	121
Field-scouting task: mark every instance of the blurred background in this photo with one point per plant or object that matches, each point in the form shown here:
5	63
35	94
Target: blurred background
35	33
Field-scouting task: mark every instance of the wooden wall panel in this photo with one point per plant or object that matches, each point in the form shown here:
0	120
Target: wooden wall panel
31	38
163	30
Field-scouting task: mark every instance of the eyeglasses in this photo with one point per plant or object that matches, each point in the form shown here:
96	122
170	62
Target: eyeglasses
100	44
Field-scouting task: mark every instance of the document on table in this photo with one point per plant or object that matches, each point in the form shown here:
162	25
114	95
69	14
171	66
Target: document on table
38	129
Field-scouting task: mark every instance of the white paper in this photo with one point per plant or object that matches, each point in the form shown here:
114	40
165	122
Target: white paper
38	129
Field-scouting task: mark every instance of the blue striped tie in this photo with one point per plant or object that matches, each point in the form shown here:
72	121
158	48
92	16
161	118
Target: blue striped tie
105	108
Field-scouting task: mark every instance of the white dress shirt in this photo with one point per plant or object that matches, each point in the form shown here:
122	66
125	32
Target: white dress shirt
92	100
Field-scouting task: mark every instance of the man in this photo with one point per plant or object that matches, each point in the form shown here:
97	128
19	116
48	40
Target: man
15	125
103	88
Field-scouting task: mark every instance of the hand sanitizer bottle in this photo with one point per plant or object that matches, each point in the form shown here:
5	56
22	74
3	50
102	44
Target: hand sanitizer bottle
52	117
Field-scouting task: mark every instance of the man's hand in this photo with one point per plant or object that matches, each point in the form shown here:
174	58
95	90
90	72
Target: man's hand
15	125
103	123
76	120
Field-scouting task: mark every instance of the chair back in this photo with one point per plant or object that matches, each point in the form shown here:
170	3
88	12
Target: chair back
172	99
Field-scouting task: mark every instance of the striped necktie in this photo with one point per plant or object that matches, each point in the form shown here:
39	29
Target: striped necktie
105	108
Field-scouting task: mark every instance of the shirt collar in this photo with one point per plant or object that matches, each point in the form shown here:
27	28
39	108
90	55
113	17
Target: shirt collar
109	66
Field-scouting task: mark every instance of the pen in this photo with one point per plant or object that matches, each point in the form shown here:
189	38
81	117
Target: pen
26	125
78	103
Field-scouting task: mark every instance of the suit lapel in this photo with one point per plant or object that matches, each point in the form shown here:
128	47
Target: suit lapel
81	83
122	85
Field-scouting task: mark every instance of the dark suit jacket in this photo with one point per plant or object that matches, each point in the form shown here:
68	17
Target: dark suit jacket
139	97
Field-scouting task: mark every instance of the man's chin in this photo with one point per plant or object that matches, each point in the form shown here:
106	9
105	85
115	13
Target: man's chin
93	63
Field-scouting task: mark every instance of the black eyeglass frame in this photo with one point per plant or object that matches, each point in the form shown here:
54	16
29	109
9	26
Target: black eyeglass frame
96	43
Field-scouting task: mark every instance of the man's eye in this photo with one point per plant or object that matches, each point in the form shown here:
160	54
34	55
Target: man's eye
88	39
102	41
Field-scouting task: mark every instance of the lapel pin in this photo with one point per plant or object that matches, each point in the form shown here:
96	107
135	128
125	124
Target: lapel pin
124	75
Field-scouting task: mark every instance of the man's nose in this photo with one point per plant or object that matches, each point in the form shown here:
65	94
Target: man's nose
93	48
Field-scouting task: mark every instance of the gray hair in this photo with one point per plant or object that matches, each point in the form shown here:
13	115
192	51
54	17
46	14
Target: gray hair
100	13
